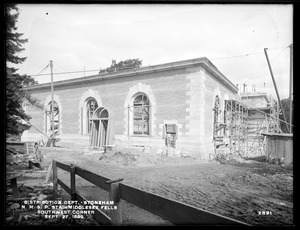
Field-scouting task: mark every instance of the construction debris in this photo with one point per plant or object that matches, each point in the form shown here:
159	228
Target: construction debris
135	157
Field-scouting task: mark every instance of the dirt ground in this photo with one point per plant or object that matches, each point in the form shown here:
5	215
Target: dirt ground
251	191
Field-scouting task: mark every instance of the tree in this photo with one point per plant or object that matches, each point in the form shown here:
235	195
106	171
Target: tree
15	95
286	109
122	65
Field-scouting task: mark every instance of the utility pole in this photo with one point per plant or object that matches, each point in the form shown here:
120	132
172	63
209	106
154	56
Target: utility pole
244	85
52	100
270	68
291	85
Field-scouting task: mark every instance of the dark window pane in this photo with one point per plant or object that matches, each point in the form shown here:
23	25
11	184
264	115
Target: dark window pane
145	100
141	115
138	100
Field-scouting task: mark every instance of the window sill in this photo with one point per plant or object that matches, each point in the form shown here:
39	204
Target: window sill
135	135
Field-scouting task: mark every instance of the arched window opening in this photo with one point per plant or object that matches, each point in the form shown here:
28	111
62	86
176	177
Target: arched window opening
100	128
56	118
91	106
141	111
101	113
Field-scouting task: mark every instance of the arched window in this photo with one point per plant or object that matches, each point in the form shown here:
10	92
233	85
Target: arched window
91	106
141	111
56	118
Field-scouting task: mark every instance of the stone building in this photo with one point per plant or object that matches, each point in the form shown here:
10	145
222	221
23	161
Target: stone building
162	106
258	103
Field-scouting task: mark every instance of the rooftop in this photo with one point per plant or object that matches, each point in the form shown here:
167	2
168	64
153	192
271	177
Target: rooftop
204	62
255	94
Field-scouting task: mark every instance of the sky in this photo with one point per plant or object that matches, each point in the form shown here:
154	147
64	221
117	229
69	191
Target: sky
88	36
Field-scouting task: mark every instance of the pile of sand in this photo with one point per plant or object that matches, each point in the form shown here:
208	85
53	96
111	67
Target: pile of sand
129	157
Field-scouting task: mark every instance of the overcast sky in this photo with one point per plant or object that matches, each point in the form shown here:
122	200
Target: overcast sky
89	36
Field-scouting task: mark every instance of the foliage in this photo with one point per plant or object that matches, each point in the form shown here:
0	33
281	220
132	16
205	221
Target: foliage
122	65
286	108
15	95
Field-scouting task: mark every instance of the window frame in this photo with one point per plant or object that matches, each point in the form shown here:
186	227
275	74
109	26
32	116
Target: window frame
89	114
142	120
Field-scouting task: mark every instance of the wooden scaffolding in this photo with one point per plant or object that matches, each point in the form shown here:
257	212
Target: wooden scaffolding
240	133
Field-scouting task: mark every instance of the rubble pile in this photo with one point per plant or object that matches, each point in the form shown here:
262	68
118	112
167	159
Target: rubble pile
14	156
229	158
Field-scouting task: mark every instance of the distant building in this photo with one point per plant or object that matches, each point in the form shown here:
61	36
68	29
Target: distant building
258	104
263	116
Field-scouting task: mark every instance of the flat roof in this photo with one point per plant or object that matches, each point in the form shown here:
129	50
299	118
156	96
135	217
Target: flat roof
204	62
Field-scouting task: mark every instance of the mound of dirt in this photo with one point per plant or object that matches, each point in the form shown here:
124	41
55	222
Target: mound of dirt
127	157
229	158
119	158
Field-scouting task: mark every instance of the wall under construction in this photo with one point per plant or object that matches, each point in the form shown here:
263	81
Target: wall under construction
167	106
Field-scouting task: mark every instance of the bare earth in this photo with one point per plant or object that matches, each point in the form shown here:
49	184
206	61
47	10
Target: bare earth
242	190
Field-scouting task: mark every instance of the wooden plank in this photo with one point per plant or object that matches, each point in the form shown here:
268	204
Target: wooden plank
99	136
14	187
288	150
49	142
93	131
81	121
93	178
114	195
48	173
107	132
95	135
99	216
73	182
15	143
267	149
27	149
91	134
64	186
54	167
281	150
16	199
173	211
63	166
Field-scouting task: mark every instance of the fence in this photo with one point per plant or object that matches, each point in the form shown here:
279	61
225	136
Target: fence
175	212
279	145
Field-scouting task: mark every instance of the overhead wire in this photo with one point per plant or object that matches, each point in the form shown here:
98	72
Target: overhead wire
265	66
242	55
41	67
61	69
246	55
124	68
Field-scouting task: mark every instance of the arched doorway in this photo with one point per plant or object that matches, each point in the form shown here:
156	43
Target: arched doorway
100	128
91	106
